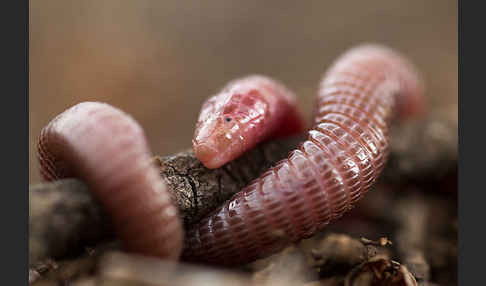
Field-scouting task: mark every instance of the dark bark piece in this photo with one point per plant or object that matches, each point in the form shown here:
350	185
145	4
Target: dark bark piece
63	215
198	190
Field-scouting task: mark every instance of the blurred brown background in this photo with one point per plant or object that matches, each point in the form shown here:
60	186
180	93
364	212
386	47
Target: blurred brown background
158	60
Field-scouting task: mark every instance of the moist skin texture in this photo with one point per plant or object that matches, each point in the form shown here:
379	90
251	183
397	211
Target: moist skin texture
107	149
245	112
345	151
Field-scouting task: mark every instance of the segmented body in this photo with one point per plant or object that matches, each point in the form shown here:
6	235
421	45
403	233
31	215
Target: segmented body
108	150
344	153
245	112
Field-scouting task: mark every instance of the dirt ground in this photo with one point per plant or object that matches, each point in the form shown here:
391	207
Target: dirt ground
158	60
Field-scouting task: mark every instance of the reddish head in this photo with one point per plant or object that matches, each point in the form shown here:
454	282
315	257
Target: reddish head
245	112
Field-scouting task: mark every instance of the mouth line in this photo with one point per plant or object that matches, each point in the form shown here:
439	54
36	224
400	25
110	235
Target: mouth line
207	154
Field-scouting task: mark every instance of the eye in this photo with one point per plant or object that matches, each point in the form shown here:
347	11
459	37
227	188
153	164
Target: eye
227	119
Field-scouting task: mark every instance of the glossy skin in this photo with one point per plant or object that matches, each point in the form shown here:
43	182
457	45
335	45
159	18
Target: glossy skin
245	112
344	154
325	176
108	150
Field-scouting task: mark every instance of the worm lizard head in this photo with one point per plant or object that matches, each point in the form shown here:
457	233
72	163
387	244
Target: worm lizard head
227	123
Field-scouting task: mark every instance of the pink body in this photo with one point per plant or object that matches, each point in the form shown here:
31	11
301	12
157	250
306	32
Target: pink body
327	174
245	112
344	153
108	150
